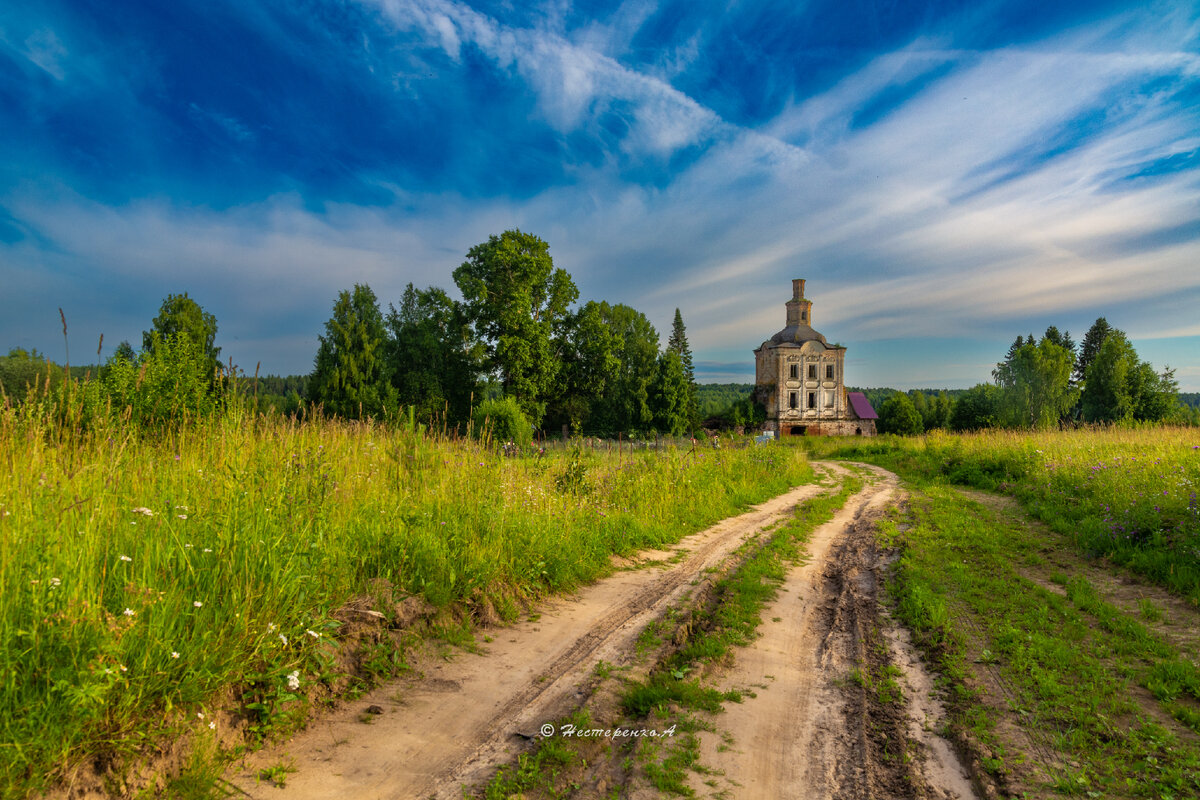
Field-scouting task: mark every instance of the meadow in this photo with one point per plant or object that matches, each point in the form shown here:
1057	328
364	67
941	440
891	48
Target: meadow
151	579
1128	494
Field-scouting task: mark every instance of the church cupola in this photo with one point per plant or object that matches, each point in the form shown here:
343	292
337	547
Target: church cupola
799	310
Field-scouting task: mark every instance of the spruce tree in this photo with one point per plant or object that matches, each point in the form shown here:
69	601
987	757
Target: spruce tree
678	344
1093	340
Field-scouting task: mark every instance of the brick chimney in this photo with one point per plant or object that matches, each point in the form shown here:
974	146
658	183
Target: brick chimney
799	310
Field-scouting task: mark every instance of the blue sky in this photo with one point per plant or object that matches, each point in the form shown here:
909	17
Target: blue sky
946	175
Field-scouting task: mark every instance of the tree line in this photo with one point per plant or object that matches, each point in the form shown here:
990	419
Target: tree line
513	350
1051	382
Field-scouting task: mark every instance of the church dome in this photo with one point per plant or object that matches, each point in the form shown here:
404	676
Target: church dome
798	334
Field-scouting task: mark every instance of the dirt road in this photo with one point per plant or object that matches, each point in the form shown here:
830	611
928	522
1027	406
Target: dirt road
804	736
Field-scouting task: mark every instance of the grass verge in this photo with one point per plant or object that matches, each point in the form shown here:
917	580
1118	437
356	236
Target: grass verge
1094	694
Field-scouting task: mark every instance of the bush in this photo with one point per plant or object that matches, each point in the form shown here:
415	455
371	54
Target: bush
503	420
168	384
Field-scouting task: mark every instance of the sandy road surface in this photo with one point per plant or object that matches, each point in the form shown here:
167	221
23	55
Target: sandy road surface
464	716
805	735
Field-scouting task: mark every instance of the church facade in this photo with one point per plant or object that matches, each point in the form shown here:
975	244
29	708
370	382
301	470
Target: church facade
799	378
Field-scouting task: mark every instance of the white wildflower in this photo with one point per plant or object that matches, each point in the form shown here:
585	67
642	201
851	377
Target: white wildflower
199	715
197	603
294	680
313	634
212	726
182	516
270	627
129	612
126	558
145	512
174	654
55	582
283	639
208	549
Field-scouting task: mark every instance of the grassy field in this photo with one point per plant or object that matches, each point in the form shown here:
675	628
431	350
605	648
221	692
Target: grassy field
1127	494
1068	676
147	578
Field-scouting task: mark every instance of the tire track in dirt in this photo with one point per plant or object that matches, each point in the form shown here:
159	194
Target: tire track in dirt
456	722
812	731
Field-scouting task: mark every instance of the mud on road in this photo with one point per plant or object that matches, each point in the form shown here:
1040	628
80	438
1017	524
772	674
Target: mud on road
842	707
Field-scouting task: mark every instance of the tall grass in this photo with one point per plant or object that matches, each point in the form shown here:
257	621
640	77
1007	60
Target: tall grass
1126	493
145	573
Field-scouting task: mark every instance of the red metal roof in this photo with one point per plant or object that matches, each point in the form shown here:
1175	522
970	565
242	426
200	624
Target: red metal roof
862	406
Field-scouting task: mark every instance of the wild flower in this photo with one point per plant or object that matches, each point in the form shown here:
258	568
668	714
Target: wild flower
197	603
212	726
174	654
126	558
55	582
199	715
145	512
270	627
129	612
313	634
208	550
182	516
283	639
293	680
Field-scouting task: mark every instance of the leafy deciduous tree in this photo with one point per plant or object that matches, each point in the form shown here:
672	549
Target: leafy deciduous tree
517	301
182	316
1035	381
898	415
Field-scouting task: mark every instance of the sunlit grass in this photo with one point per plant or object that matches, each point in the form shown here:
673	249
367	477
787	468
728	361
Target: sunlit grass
142	574
1129	494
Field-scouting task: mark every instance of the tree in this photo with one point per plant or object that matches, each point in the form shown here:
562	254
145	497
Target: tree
589	365
1092	340
1119	388
898	415
625	404
671	395
517	302
1062	339
350	370
977	408
433	360
1036	385
182	316
678	344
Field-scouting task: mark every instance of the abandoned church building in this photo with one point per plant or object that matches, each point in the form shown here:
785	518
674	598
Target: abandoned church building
799	378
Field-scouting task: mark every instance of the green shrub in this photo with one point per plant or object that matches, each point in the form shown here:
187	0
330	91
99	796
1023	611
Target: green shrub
503	421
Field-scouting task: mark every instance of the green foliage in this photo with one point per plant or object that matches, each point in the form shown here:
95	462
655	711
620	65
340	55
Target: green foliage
1092	341
168	384
589	364
976	409
714	399
432	358
1035	383
671	395
22	371
517	302
898	415
503	421
1120	388
350	375
625	406
182	317
678	344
